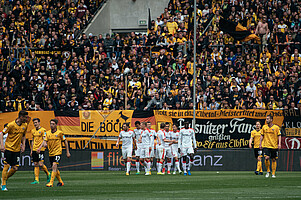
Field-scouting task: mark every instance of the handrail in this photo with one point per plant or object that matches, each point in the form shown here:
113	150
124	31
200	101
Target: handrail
187	46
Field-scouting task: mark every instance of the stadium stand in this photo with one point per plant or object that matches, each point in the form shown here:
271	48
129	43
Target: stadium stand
87	72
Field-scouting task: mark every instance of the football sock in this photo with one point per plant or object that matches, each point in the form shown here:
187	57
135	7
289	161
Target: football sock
145	166
4	174
177	165
159	166
128	166
36	173
53	175
138	165
274	166
189	164
267	165
148	166
58	176
10	173
259	166
168	165
45	170
184	165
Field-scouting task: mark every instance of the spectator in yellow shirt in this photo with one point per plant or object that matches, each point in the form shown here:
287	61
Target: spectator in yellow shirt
172	26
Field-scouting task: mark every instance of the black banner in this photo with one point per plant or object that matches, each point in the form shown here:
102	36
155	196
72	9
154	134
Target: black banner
292	123
220	129
64	53
221	133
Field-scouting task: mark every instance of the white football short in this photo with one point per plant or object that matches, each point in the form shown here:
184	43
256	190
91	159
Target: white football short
152	153
175	151
145	153
138	151
186	150
168	153
157	153
127	152
161	153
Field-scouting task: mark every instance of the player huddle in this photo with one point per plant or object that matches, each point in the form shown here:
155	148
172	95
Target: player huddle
267	141
14	144
163	146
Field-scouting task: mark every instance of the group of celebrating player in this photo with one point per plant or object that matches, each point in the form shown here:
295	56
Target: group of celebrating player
267	142
178	144
12	143
162	146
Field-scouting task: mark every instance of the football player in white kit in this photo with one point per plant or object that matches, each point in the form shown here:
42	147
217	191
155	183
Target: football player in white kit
168	143
146	141
127	137
186	138
160	148
4	139
153	135
137	132
174	148
157	149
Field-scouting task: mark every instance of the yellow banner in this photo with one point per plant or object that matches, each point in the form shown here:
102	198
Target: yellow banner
91	120
45	117
167	115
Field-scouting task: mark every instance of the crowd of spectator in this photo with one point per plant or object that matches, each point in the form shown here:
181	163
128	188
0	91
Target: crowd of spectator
230	74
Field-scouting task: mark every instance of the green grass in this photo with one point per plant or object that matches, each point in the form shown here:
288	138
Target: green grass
115	185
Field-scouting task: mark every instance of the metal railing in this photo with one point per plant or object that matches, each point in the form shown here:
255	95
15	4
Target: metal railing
26	51
187	47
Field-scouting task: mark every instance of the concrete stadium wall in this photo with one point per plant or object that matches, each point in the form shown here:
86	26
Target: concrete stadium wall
123	15
101	22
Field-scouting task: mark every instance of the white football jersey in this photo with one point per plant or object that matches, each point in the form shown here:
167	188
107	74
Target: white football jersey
4	138
162	135
137	133
168	137
4	135
186	138
127	138
175	136
146	138
153	135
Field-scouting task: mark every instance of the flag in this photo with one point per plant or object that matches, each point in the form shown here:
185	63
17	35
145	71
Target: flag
68	122
208	22
149	21
190	20
237	31
143	116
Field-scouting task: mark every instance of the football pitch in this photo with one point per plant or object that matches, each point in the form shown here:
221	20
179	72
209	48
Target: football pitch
115	185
